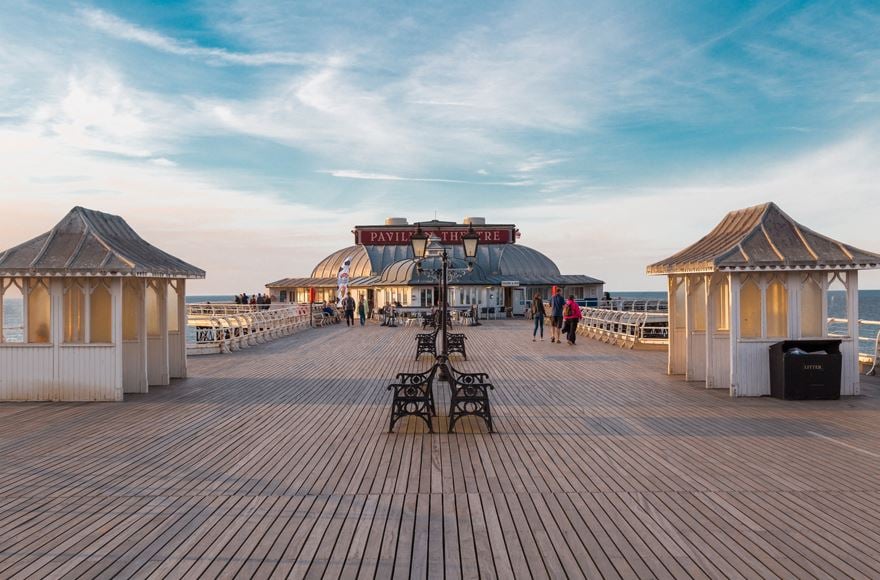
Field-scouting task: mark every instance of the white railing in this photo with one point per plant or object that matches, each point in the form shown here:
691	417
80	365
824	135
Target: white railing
224	308
633	305
625	328
216	329
869	345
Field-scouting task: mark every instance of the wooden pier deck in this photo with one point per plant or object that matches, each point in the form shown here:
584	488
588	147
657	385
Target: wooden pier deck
276	461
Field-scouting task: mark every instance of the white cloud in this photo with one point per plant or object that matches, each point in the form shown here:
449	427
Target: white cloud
613	233
124	30
355	174
242	238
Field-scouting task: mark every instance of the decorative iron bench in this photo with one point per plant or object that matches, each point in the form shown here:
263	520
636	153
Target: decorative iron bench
469	396
455	343
426	342
413	396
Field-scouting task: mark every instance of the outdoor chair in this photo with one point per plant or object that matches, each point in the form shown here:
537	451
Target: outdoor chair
469	396
413	396
426	342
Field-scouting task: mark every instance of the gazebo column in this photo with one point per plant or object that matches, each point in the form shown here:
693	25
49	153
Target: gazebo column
718	331
157	333
116	314
677	326
850	382
134	335
696	327
177	330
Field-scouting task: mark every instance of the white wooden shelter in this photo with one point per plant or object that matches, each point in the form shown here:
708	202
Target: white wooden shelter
103	313
756	279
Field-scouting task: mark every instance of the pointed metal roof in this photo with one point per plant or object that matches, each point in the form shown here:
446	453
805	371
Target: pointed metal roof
764	237
91	243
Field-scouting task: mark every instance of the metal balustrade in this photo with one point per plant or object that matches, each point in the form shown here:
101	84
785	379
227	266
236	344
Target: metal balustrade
626	328
869	346
633	305
223	328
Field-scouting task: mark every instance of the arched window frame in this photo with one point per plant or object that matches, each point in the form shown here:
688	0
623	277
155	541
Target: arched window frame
769	281
821	282
759	285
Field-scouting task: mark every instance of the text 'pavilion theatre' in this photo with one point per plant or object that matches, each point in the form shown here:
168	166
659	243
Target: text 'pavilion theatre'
382	270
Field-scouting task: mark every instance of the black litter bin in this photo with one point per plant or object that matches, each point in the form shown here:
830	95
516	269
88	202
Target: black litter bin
805	369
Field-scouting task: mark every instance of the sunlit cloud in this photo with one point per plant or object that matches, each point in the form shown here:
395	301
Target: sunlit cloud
354	174
124	30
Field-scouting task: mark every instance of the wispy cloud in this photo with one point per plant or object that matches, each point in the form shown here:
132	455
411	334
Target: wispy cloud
124	30
355	174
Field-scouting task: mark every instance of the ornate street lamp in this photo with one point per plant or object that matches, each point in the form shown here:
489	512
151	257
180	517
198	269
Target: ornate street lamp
470	241
420	241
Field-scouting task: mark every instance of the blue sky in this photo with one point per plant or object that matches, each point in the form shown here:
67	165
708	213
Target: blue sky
248	137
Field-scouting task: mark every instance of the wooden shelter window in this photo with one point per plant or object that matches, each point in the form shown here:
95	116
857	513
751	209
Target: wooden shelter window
698	301
153	318
172	307
11	310
74	312
680	298
812	323
100	314
750	310
131	309
721	298
777	309
39	312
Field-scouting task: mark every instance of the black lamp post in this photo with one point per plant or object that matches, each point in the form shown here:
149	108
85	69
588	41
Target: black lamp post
419	241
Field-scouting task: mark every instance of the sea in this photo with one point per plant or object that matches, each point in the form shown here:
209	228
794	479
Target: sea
869	309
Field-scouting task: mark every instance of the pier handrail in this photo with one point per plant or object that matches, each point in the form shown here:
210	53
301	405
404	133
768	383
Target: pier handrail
633	305
625	328
873	356
220	330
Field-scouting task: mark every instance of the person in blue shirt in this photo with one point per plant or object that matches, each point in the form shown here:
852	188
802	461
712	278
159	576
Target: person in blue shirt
557	302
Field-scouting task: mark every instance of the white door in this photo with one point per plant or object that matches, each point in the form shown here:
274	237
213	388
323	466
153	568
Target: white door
520	305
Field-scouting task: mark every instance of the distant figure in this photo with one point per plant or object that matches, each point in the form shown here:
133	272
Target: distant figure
348	309
237	299
397	304
571	314
362	310
557	302
607	296
253	301
267	302
538	315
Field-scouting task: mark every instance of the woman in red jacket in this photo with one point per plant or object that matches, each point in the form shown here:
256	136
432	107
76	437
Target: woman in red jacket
571	315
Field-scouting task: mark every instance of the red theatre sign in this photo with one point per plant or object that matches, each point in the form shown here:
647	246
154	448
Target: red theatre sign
400	237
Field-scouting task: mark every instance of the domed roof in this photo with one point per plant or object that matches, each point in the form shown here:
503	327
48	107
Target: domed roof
517	260
365	261
406	273
495	262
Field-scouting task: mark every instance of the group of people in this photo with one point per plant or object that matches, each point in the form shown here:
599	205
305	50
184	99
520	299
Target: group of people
263	300
349	306
564	318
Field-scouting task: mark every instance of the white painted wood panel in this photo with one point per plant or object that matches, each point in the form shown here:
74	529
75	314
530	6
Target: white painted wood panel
718	368
753	368
88	373
134	367
27	372
696	360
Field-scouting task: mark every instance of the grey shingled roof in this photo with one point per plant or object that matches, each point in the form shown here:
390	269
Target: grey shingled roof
91	243
763	237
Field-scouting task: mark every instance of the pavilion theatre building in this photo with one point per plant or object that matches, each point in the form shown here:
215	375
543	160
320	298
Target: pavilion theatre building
381	269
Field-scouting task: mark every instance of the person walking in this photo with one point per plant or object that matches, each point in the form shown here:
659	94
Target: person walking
557	302
348	308
538	315
571	314
362	310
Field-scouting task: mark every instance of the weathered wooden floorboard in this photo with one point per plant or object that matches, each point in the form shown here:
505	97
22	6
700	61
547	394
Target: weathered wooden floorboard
277	460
